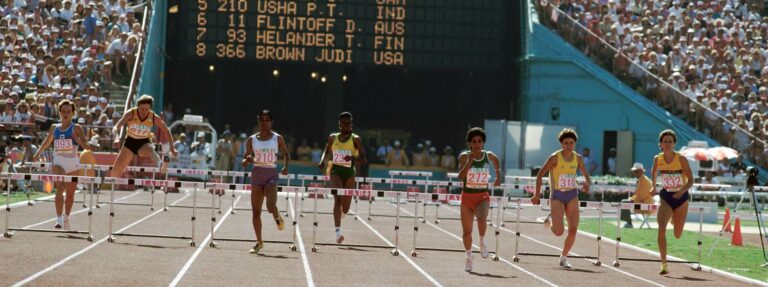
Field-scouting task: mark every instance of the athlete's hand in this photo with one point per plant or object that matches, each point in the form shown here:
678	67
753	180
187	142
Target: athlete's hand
497	182
536	199
116	144
244	163
585	188
284	171
321	165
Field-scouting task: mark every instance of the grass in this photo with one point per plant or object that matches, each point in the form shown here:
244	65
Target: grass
20	196
744	261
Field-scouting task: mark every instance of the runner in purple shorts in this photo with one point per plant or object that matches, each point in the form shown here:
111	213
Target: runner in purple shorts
262	150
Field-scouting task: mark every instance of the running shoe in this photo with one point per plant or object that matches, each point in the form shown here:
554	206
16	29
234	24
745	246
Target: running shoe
164	164
564	263
66	225
484	252
257	248
59	223
339	238
664	270
468	264
280	222
548	221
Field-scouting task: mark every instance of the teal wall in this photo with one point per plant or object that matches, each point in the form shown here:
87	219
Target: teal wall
153	66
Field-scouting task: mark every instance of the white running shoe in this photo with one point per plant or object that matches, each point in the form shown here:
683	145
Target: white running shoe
548	221
59	223
484	252
564	263
468	265
339	238
66	225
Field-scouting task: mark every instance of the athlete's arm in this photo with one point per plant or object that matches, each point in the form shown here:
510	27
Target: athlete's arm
326	153
583	169
548	166
117	130
46	143
80	136
497	166
162	128
360	150
687	173
248	156
463	165
654	170
286	154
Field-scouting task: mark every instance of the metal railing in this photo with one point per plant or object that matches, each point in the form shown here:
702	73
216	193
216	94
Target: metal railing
136	73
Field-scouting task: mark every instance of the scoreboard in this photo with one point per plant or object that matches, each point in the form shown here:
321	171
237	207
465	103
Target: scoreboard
456	34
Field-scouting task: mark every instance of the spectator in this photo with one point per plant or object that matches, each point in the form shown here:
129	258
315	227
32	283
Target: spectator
181	145
397	157
611	162
316	152
200	148
589	163
383	150
224	152
448	159
434	158
420	158
304	152
239	147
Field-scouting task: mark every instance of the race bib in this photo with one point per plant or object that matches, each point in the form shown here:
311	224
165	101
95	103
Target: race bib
265	157
138	130
63	146
672	181
342	157
477	178
566	181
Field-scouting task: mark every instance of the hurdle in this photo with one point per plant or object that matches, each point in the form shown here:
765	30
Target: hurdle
247	187
52	178
304	178
696	265
159	183
353	192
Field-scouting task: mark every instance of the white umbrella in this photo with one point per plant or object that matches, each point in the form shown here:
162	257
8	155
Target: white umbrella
722	152
695	153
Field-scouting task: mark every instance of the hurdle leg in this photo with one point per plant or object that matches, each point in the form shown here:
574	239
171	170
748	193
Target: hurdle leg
497	232
701	223
599	234
152	194
84	200
90	215
111	237
98	174
220	195
437	210
370	203
394	251
287	204
295	222
29	198
616	262
301	204
314	224
213	221
232	211
416	224
7	233
517	233
194	209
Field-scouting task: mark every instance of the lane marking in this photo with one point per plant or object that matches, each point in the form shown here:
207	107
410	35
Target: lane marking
304	260
89	247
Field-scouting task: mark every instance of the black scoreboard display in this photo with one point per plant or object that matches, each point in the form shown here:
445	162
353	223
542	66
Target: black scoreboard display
458	34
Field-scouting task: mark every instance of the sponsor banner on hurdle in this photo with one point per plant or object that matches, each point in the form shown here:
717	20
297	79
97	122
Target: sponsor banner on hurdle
313	177
248	173
51	178
410	173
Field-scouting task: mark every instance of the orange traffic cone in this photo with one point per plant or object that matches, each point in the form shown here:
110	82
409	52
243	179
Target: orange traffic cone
727	221
736	238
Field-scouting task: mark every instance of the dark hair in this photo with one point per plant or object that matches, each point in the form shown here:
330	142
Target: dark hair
668	133
65	103
345	115
145	99
265	112
567	133
476	131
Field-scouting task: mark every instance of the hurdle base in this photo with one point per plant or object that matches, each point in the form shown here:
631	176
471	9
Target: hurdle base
448	250
251	240
557	255
764	265
657	260
152	235
48	230
354	245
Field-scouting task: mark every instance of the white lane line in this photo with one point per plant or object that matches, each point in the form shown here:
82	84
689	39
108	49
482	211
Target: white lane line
304	260
78	253
200	248
576	254
402	254
83	210
545	281
25	202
